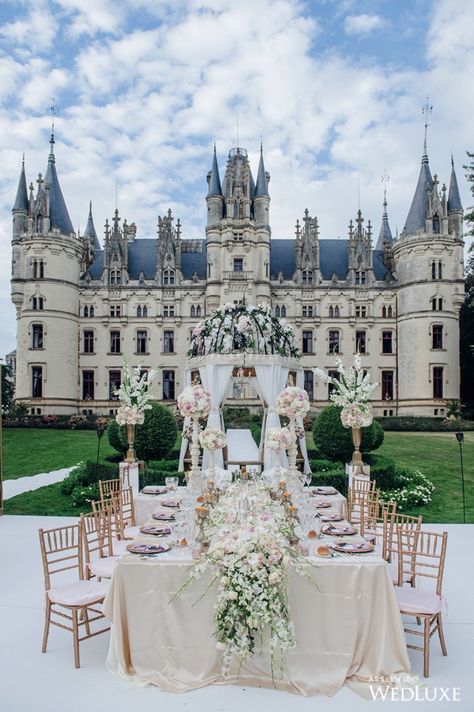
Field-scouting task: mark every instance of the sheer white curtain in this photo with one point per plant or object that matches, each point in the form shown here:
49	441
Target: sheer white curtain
272	379
215	379
299	421
187	421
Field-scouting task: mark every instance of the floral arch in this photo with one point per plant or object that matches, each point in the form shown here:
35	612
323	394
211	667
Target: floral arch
242	336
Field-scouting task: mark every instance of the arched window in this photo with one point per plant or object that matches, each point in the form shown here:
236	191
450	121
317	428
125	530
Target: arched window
384	311
115	277
283	311
193	310
389	312
86	311
168	276
307	276
440	304
336	311
436	223
139	310
277	311
198	310
91	311
145	310
331	311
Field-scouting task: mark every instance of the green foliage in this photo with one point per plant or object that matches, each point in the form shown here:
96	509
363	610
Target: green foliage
332	478
334	441
157	477
116	436
409	488
87	474
377	435
321	465
8	389
256	431
157	436
379	464
413	424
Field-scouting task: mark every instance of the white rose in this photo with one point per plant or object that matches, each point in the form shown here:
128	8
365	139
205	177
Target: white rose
274	577
232	595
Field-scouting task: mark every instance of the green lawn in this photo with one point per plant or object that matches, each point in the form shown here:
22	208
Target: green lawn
29	451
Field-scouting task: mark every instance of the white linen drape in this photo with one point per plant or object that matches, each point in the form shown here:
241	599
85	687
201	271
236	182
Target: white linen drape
215	379
272	379
299	421
187	421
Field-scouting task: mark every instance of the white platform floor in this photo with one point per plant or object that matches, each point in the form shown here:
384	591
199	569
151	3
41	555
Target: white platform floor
50	683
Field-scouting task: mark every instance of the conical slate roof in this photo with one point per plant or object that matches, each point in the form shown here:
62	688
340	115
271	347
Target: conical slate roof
385	234
417	214
59	215
215	182
90	230
454	199
21	200
262	184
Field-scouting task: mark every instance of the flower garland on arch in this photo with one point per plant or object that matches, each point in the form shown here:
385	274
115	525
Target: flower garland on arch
242	327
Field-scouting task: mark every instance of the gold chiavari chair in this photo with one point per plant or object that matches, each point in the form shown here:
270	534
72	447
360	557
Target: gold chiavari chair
360	497
422	555
61	551
407	523
375	523
109	488
110	508
127	513
97	542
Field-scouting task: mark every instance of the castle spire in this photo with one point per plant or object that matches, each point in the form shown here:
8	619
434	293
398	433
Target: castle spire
385	234
90	231
213	177
59	216
21	200
416	218
262	177
454	198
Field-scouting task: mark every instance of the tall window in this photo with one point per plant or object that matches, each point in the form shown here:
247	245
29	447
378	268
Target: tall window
440	270
88	342
88	385
115	277
433	270
387	342
168	385
387	385
168	311
168	342
144	310
332	374
115	342
307	310
37	336
139	310
331	312
37	303
238	264
309	384
307	342
307	276
337	312
437	335
435	222
361	311
389	312
141	342
361	342
38	269
115	310
88	311
334	344
437	382
384	312
193	311
280	310
168	276
115	381
437	304
360	277
36	382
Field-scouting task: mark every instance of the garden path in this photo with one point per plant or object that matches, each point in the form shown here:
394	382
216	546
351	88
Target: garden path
25	484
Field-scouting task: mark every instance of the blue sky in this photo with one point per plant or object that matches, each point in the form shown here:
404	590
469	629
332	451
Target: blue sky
334	89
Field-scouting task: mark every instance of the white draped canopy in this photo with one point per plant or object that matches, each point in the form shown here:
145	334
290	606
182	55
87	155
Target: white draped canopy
271	377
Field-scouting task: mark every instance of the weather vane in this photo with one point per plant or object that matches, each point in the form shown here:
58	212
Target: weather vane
385	178
426	111
53	110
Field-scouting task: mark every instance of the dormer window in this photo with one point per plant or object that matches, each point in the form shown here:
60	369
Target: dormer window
115	277
436	223
307	276
168	276
360	277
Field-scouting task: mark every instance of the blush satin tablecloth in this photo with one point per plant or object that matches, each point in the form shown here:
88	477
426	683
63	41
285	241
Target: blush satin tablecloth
347	630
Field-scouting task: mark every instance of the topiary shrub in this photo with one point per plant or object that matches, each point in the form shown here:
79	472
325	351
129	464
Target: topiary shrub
157	477
378	435
256	431
321	465
157	436
116	437
334	441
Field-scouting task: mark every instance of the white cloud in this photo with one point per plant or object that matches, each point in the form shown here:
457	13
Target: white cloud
35	32
363	24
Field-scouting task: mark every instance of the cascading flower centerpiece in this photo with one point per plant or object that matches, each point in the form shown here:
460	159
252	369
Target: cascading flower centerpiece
212	439
242	327
352	390
279	439
135	396
194	403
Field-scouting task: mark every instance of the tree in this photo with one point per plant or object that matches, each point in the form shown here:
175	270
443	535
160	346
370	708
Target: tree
8	389
153	440
334	441
466	316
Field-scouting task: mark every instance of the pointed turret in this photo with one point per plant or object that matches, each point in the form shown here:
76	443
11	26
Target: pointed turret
21	200
59	216
262	178
454	199
416	219
214	179
385	234
90	232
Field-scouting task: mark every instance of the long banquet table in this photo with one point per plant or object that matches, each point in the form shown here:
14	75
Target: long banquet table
348	628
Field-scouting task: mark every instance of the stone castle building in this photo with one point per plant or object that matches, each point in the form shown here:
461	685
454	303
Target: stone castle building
82	308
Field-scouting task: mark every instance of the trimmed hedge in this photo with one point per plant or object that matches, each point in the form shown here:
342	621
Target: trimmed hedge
421	424
334	441
332	478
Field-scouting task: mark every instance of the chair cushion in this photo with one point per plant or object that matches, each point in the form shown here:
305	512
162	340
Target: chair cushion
131	532
103	568
80	593
414	601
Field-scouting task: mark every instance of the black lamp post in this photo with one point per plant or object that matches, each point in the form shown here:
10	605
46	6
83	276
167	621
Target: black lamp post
99	429
460	438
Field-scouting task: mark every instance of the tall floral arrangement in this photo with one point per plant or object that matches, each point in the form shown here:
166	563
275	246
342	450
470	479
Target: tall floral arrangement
351	390
194	401
134	395
243	327
212	439
279	439
293	402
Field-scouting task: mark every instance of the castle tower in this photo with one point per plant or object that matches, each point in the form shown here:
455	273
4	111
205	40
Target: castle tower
360	271
168	246
115	253
238	232
428	260
45	274
307	261
91	244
